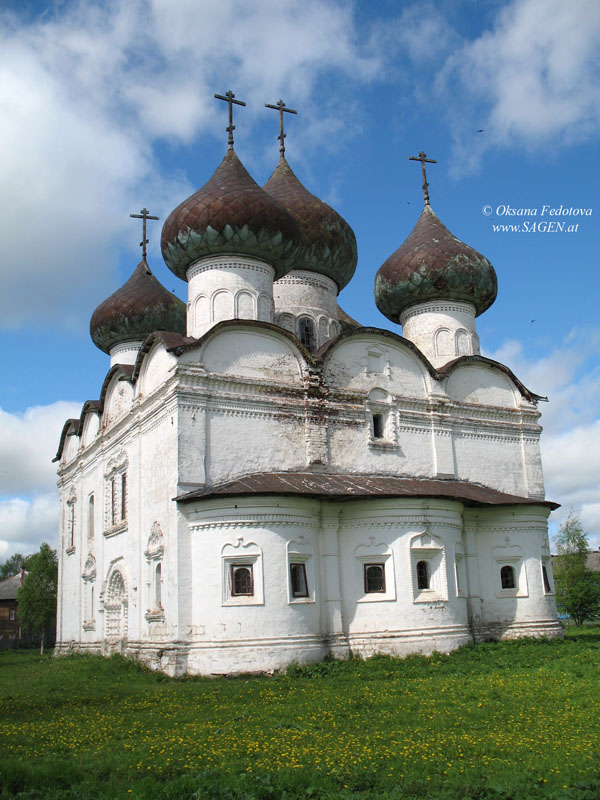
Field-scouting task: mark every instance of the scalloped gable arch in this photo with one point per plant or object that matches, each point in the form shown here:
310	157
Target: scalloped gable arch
154	368
482	384
250	352
348	363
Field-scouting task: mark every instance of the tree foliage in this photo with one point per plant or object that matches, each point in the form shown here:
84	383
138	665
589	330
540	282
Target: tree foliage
37	596
14	564
577	588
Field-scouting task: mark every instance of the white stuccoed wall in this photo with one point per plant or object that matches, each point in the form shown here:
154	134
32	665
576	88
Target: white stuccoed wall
125	353
228	287
240	403
441	329
301	293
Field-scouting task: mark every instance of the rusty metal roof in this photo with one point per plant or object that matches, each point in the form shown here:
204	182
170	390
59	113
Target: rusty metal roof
327	486
433	264
330	241
231	214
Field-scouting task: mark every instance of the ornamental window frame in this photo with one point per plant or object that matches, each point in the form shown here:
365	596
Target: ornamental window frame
374	554
381	420
428	572
89	580
300	557
70	524
460	570
116	500
510	556
241	554
154	555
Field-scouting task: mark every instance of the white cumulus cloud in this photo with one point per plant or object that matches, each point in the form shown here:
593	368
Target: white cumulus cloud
25	524
570	441
531	79
28	443
89	89
28	495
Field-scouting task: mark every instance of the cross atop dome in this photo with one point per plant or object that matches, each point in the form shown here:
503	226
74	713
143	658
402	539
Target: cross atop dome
280	105
422	157
143	215
229	99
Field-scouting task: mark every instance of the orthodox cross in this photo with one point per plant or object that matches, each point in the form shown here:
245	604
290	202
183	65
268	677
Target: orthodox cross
281	106
422	157
144	215
229	98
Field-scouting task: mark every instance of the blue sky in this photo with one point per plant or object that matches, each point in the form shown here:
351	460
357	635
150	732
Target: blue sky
107	107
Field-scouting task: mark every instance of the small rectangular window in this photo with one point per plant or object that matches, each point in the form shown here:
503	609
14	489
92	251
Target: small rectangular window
298	579
507	577
422	575
12	615
546	579
374	578
378	426
241	580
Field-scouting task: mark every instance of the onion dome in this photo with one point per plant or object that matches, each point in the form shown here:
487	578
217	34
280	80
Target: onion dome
433	264
231	214
140	307
329	240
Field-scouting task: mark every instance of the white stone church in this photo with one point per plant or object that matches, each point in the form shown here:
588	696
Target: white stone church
264	481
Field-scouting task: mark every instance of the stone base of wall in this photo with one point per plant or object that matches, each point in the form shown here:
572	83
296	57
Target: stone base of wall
538	628
267	655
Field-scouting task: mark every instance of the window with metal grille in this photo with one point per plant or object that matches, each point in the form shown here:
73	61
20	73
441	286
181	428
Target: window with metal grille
374	578
422	575
241	580
507	577
298	580
306	331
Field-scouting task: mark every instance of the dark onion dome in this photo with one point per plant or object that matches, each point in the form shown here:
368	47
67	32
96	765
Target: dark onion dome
231	214
330	241
140	307
433	264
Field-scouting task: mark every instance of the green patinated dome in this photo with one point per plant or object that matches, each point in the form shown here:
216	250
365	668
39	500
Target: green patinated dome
433	264
140	307
231	214
329	240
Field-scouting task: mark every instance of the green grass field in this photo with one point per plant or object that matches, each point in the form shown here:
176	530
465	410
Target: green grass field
510	721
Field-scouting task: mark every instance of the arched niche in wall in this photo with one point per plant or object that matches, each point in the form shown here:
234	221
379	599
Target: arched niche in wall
116	604
244	306
428	568
444	343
